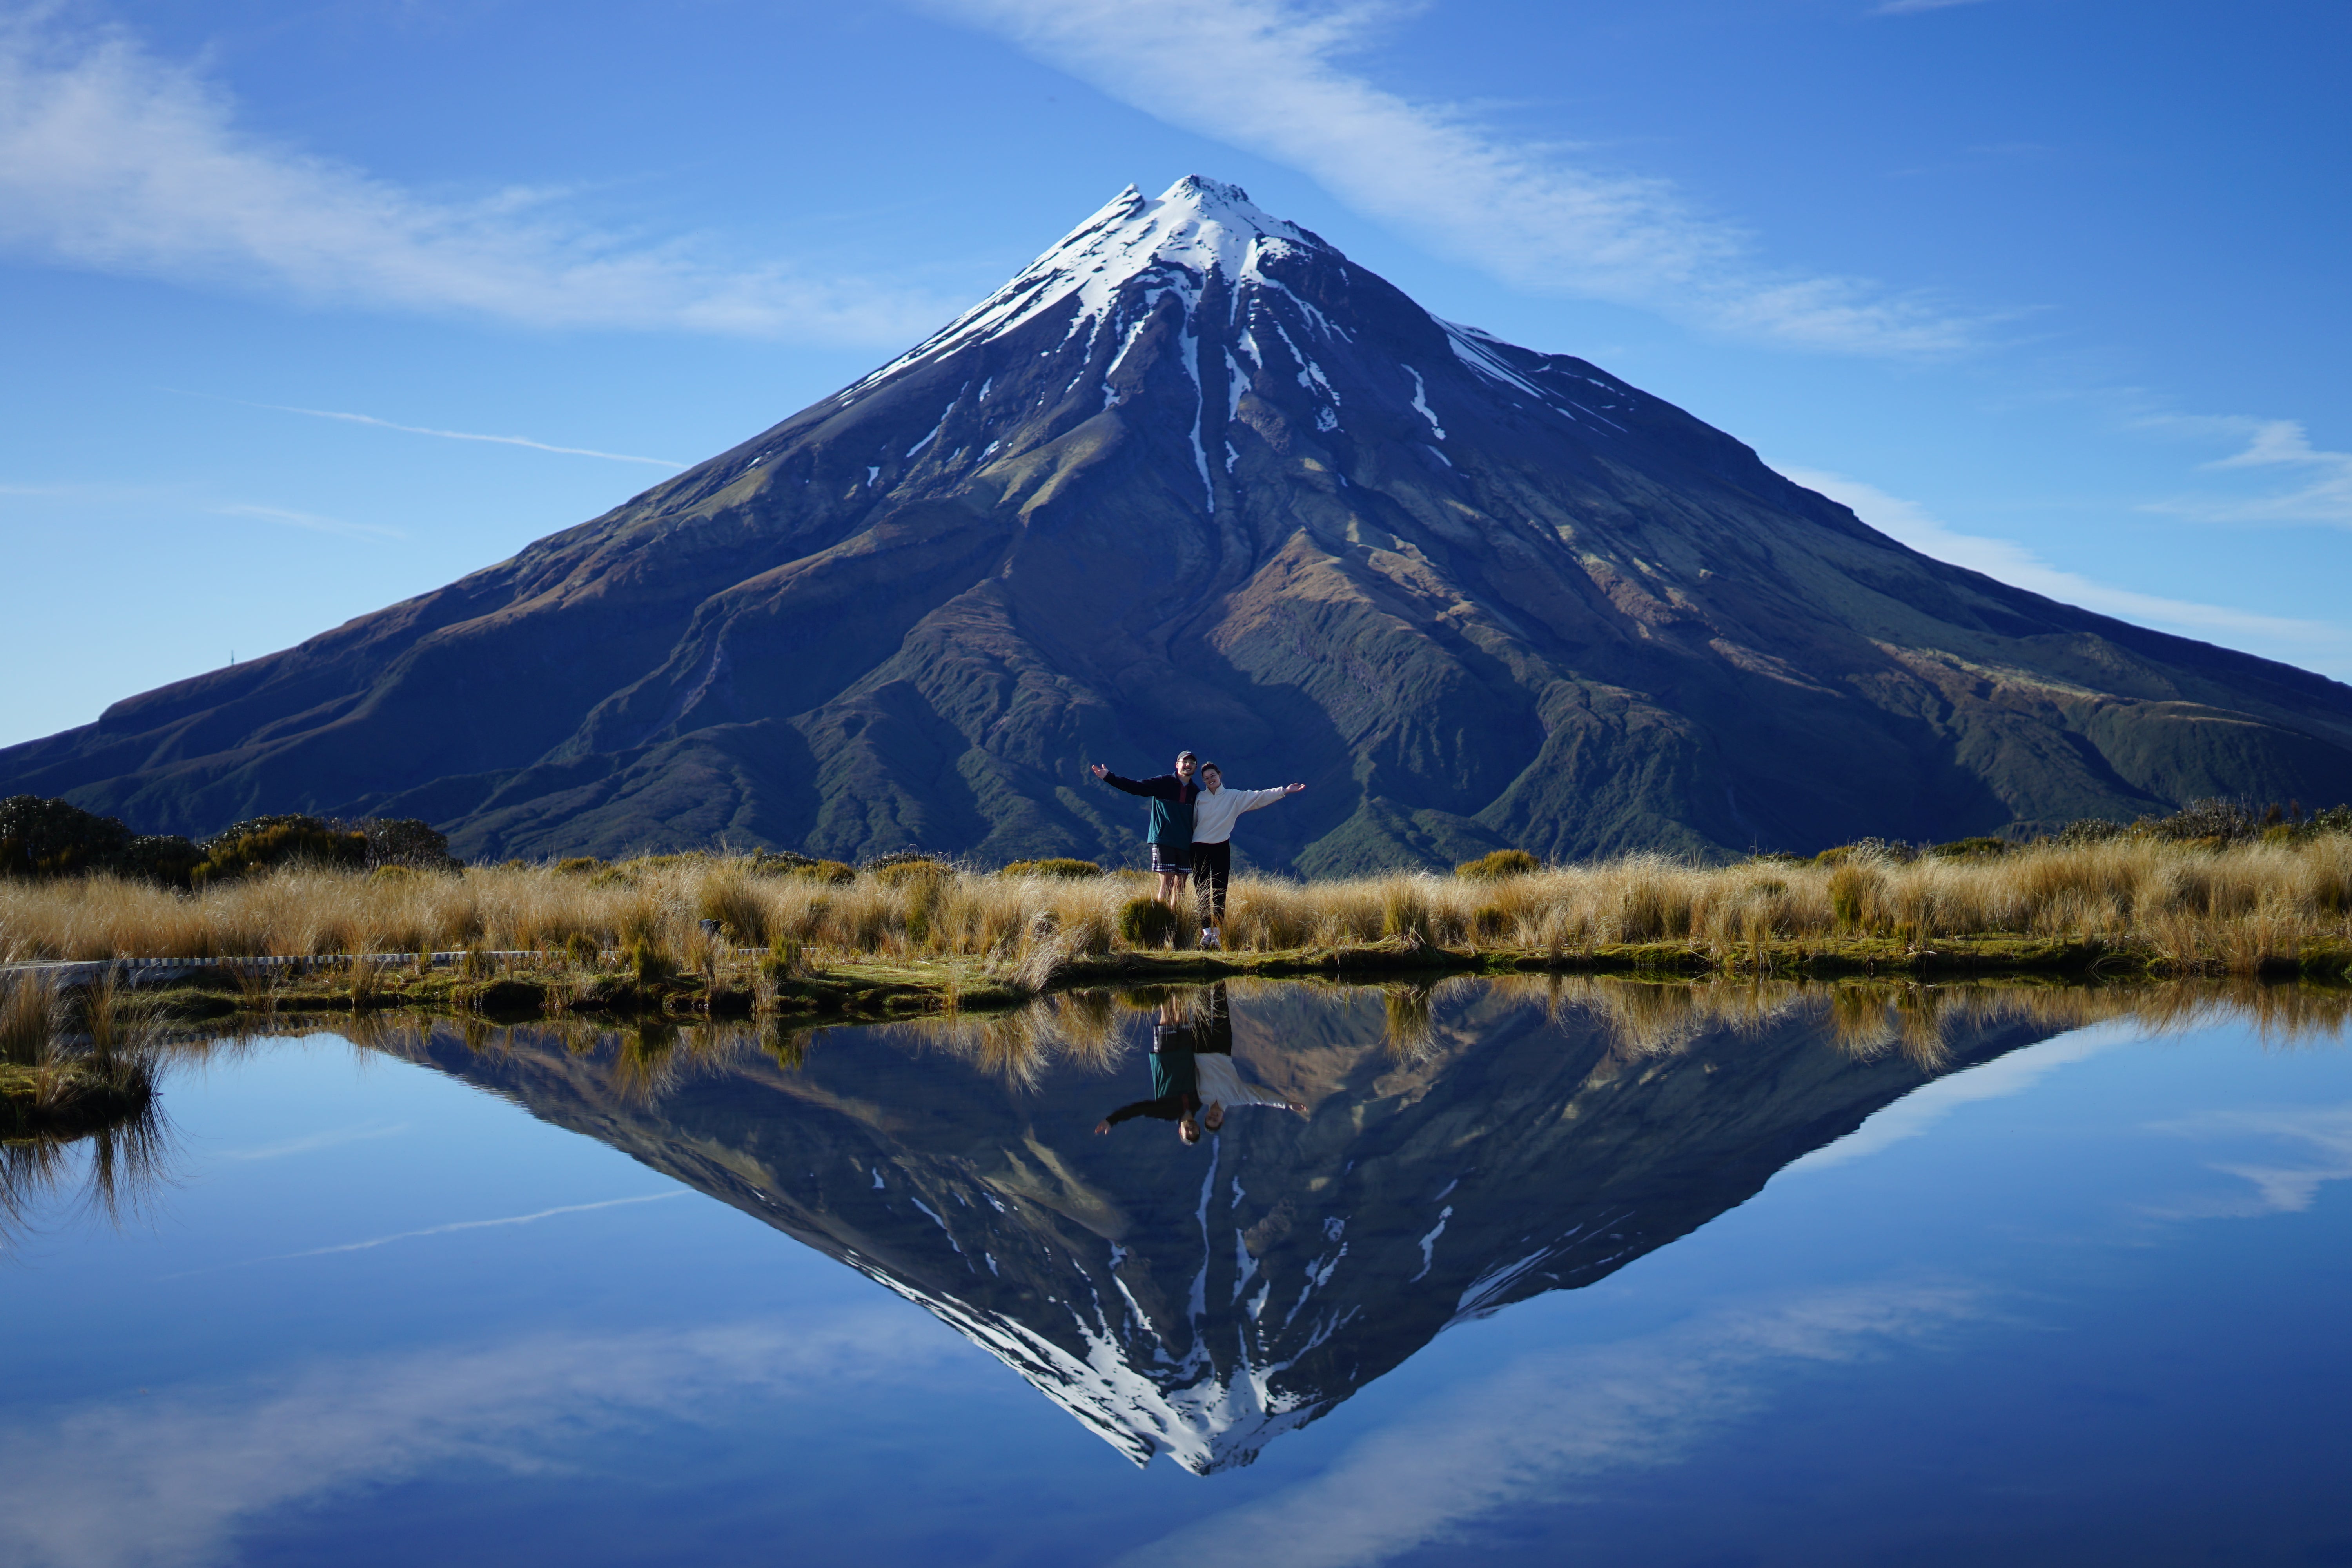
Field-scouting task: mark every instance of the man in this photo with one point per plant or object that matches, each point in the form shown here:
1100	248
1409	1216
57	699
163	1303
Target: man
1214	811
1171	835
1175	1079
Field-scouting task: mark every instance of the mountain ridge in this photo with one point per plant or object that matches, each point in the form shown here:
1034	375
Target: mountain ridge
1193	477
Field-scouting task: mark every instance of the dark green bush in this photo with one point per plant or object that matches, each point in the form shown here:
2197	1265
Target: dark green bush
1977	848
264	843
1057	865
834	871
1147	922
46	838
579	866
1500	864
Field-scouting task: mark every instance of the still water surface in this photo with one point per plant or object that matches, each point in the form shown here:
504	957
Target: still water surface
1612	1274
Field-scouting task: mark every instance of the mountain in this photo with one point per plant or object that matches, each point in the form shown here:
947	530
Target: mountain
1194	478
1200	1303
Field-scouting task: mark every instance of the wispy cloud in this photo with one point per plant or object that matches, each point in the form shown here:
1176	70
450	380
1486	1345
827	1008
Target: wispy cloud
2013	563
457	1225
2323	496
309	519
1907	7
1548	1421
467	436
452	1228
1265	75
168	1481
114	160
310	1144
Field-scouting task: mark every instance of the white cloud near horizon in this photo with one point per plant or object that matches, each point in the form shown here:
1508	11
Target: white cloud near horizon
1265	75
2008	562
173	1479
1548	1421
1912	7
116	160
2325	496
2324	1133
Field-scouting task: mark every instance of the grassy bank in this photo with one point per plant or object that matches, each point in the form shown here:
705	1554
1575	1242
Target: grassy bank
669	933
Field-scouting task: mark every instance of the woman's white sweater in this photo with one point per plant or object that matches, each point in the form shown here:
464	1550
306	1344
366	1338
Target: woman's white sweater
1214	811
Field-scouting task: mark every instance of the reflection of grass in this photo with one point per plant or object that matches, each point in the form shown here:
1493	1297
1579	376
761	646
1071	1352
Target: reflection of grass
78	1074
1426	1026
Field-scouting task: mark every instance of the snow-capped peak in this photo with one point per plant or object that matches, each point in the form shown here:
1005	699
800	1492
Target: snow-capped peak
1197	227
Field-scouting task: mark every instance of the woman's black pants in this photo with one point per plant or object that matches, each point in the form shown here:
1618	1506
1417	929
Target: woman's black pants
1213	867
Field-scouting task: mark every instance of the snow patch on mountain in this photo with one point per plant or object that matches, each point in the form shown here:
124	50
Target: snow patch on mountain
1198	227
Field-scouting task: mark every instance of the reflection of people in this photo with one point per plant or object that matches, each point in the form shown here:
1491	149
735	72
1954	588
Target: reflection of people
1222	1086
1171	835
1175	1078
1214	811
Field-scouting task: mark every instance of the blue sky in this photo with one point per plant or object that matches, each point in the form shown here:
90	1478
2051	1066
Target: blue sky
2050	288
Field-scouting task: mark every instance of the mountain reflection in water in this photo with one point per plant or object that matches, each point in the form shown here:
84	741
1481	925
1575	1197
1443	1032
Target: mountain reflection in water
1465	1147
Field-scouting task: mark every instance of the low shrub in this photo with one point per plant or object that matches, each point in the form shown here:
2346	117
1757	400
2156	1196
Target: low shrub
1977	849
1058	866
831	871
579	866
1867	849
902	857
899	873
262	843
779	862
1501	863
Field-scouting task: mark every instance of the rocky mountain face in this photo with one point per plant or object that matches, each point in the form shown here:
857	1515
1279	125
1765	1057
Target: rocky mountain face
1201	1302
1194	478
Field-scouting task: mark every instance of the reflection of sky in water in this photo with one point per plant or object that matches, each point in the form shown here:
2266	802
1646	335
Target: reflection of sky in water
2084	1301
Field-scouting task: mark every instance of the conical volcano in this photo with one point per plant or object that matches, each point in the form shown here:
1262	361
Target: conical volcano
1195	480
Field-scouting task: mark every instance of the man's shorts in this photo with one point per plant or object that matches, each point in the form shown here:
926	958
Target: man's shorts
1174	859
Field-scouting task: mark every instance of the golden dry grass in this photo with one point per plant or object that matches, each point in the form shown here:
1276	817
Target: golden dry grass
2232	911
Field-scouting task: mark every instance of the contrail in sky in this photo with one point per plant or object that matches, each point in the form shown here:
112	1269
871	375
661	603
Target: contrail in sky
466	435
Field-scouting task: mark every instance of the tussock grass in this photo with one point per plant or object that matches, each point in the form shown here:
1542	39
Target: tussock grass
2238	909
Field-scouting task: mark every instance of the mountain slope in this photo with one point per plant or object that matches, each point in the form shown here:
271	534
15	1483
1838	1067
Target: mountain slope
1194	478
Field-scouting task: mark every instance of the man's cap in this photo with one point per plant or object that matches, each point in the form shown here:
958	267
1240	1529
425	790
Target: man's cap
1182	755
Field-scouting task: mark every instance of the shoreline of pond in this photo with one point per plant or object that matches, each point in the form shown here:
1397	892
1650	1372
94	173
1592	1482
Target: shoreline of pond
872	988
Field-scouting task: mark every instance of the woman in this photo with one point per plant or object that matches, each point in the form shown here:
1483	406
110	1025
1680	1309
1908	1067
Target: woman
1214	811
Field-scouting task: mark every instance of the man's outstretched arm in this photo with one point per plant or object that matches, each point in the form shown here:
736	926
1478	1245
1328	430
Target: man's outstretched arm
1126	1113
1161	788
